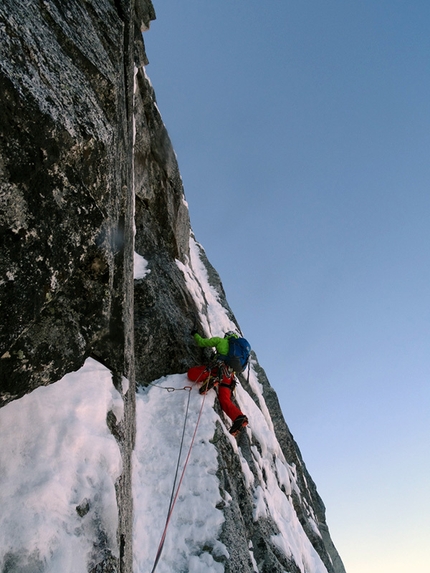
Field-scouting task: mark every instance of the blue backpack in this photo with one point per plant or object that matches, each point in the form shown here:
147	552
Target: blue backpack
238	354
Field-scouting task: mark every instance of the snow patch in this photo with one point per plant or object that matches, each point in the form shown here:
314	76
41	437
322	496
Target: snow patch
253	561
58	467
212	314
140	267
125	385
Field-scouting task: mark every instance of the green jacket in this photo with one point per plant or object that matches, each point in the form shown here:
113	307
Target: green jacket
221	344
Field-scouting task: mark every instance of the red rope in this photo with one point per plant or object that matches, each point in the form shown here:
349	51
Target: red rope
169	515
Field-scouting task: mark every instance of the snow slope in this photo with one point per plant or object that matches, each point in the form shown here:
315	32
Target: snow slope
58	460
191	542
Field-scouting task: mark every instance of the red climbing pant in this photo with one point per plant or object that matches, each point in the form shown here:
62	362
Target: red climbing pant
201	373
224	397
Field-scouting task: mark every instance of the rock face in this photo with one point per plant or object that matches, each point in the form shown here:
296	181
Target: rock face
88	175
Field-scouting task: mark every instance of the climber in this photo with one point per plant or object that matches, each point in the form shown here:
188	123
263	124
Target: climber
219	374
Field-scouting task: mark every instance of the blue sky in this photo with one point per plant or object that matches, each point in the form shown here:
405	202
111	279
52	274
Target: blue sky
302	131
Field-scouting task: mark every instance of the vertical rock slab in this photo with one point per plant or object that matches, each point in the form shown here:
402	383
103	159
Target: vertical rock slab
164	309
63	158
67	202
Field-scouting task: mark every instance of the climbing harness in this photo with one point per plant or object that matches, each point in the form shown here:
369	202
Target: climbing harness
175	492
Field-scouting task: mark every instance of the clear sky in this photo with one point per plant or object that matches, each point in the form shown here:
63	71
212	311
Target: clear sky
302	130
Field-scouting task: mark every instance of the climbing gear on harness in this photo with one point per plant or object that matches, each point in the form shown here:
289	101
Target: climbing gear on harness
170	388
231	385
208	384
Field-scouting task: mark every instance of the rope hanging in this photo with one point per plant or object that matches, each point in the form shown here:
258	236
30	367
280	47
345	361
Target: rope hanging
174	494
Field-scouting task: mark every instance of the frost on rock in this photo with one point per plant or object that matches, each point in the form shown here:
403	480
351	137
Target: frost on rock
213	315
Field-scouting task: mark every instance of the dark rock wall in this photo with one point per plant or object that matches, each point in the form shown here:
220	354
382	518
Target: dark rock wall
164	311
64	188
87	175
